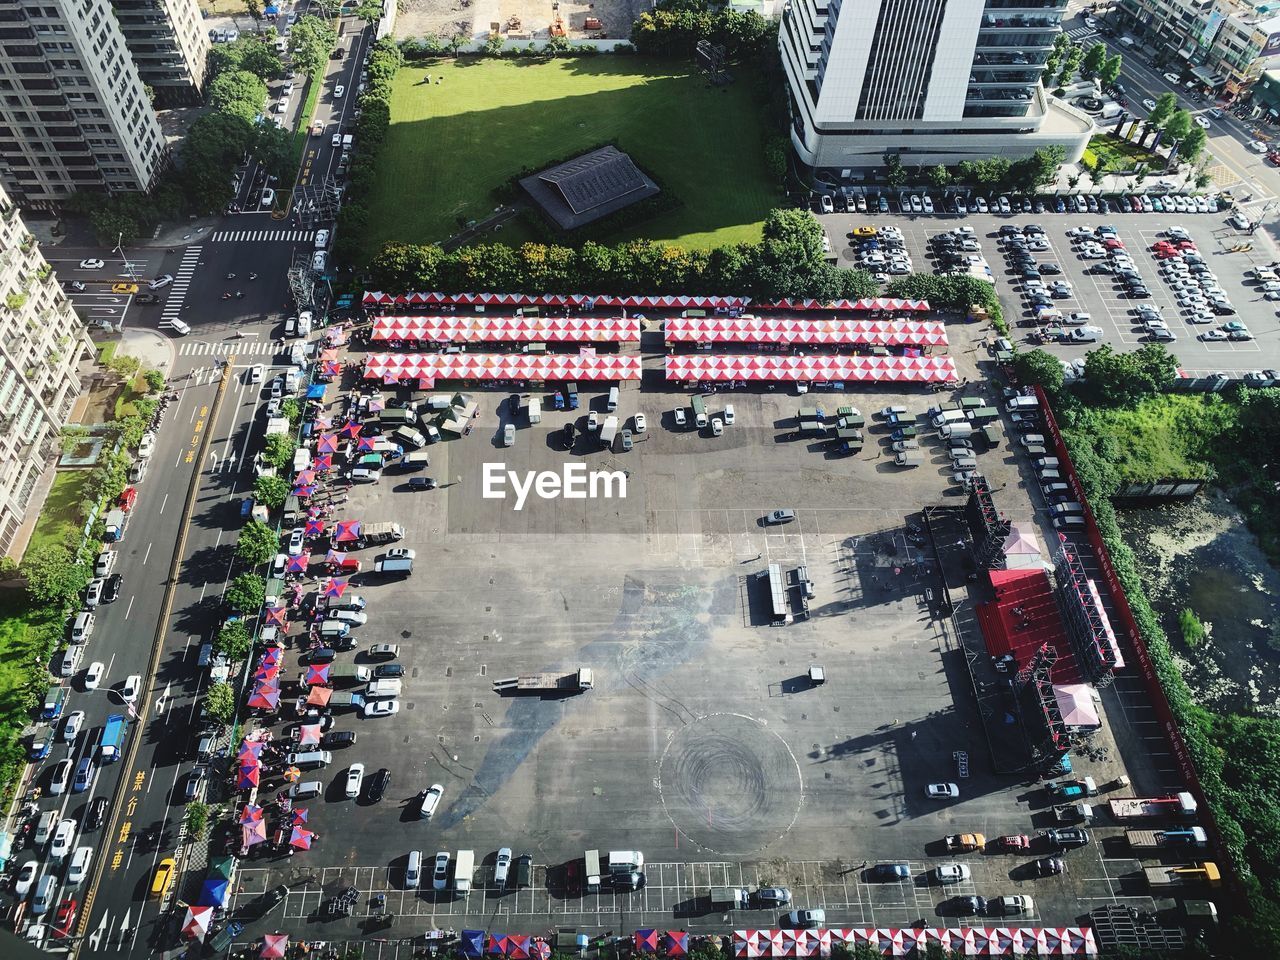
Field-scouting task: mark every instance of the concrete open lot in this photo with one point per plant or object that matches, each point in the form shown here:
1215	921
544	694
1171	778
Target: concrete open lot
702	743
1097	294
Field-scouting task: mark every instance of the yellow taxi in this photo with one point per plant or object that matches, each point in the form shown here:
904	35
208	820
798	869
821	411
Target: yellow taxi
124	288
865	231
164	877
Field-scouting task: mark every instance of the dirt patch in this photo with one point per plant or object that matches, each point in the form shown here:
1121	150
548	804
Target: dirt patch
518	20
1201	556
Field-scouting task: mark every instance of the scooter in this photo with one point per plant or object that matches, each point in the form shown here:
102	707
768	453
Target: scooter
230	276
239	295
226	296
253	276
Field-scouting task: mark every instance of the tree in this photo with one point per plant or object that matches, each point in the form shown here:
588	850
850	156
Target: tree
239	93
1094	60
271	491
1110	71
1041	367
155	380
940	176
1124	379
796	229
124	366
220	702
1166	105
1178	126
196	818
246	593
1193	144
557	46
273	148
458	41
233	639
493	46
258	542
253	8
291	409
310	44
53	575
278	450
251	53
895	172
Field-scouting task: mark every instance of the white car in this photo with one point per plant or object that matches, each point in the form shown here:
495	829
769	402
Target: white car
729	415
357	618
26	877
338	91
160	282
942	791
1201	316
147	445
827	205
681	418
296	537
92	264
1203	123
93	676
72	725
509	435
1210	335
93	592
132	687
640	424
1173	78
63	838
60	776
717	426
1192	300
355	779
256	373
981	204
1149	103
277	387
106	560
440	871
430	801
948	873
1258	146
382	708
928	203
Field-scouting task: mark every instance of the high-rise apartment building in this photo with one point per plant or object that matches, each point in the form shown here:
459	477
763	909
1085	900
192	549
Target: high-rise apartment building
935	81
42	341
169	44
74	113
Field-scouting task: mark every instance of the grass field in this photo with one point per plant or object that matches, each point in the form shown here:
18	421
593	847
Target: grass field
60	519
451	143
1118	154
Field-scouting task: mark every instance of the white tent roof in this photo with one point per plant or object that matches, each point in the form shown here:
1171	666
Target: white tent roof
1022	548
1075	700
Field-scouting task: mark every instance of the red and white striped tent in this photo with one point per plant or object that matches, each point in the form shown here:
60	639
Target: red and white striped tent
696	367
786	330
576	300
906	942
501	366
886	304
483	328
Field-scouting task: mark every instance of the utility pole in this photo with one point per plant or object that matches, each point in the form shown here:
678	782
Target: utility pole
125	260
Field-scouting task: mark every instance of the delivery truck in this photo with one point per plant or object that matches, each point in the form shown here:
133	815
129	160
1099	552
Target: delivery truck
380	533
463	869
574	681
1180	837
115	524
111	744
1178	806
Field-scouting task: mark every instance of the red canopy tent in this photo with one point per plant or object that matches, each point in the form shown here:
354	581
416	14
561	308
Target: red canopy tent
274	945
483	328
805	330
318	696
501	366
763	367
346	531
574	300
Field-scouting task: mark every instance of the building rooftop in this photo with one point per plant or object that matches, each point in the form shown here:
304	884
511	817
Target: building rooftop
586	188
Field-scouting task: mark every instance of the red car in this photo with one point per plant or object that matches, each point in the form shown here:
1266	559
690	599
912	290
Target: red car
65	917
1014	842
128	498
1186	245
1166	252
1112	243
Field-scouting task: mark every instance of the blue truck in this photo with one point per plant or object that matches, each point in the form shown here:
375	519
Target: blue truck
111	744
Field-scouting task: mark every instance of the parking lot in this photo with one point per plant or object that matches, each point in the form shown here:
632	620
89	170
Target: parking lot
703	742
1097	295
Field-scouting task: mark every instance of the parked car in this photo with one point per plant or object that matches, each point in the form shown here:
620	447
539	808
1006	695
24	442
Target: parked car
942	791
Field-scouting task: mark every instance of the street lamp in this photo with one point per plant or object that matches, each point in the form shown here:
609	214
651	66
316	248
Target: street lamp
127	264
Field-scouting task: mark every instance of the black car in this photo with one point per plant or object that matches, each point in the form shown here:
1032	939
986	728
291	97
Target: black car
146	298
569	432
422	483
343	644
111	589
889	872
388	671
1009	230
1064	838
513	402
96	813
1047	866
322	655
338	738
1050	268
378	784
965	906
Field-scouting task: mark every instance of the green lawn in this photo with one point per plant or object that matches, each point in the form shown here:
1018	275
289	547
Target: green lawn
24	636
1119	154
451	143
60	519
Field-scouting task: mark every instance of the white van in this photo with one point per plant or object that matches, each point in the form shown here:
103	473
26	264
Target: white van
535	410
82	628
179	327
1048	463
1068	520
318	261
413	870
463	868
322	239
310	759
949	416
956	431
964	463
1022	403
612	405
410	437
383	689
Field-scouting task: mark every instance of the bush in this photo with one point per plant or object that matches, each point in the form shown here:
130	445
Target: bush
1193	632
155	380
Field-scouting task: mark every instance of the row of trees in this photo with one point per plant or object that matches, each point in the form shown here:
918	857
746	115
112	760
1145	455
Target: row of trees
995	173
787	262
674	28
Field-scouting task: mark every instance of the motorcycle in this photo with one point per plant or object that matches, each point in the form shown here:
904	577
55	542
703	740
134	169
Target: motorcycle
226	296
253	276
239	295
230	276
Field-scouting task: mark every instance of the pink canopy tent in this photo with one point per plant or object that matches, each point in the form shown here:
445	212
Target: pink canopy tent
305	477
249	750
503	366
335	587
350	430
347	531
308	734
196	923
277	617
301	838
298	563
804	330
364	444
702	367
274	945
327	443
576	300
318	696
335	557
317	673
878	304
272	655
314	527
330	368
298	815
264	698
251	813
519	946
487	328
1075	700
323	463
254	833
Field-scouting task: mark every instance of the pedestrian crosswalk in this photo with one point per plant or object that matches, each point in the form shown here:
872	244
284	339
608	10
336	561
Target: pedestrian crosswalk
1081	33
263	236
181	281
205	348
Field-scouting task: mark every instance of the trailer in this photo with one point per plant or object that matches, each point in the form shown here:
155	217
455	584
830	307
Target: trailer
574	681
1167	839
111	743
1185	875
1179	806
379	533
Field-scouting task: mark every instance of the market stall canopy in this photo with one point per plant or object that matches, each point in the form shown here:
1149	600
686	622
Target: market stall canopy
196	923
482	328
758	367
214	892
472	943
577	301
274	946
502	366
805	330
1076	702
646	941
